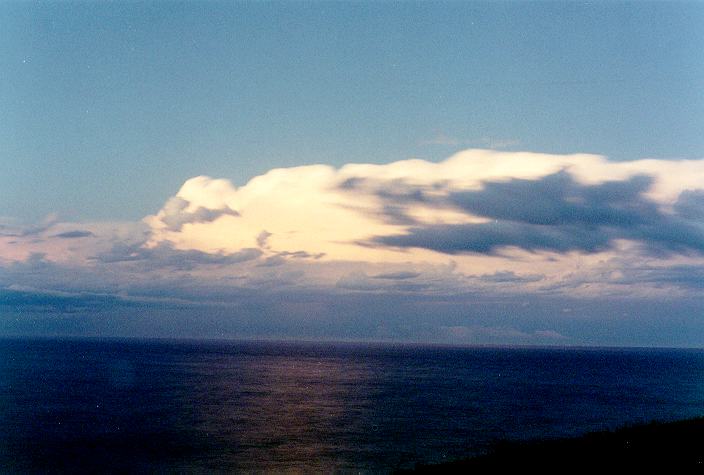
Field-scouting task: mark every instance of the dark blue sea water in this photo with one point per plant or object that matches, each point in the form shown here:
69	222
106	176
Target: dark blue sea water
201	406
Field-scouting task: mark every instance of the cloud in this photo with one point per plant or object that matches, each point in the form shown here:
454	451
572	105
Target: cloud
495	216
550	334
690	204
177	212
395	282
12	229
262	238
52	300
685	276
477	334
300	255
164	255
74	234
272	261
484	226
557	199
510	277
403	275
556	213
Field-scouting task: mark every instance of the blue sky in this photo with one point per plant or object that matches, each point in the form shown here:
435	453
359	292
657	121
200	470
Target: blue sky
130	131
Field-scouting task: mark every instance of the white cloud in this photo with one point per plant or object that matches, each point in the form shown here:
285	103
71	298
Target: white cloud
318	227
485	247
348	214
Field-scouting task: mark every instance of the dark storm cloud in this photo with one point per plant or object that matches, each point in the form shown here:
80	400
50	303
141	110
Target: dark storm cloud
556	213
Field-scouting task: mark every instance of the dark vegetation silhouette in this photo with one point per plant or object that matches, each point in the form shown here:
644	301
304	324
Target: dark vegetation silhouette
677	447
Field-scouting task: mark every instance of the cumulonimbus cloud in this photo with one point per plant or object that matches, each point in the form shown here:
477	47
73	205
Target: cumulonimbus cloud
481	219
476	202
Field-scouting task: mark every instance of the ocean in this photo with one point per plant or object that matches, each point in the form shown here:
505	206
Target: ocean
203	406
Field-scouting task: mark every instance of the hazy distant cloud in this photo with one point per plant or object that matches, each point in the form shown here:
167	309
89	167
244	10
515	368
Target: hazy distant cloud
397	275
393	282
74	234
476	334
549	334
272	261
12	229
164	255
684	276
510	277
48	301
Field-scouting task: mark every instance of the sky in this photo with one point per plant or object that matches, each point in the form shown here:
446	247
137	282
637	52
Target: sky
461	173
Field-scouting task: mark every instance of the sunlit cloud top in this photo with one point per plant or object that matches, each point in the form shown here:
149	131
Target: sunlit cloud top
505	221
479	226
476	203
